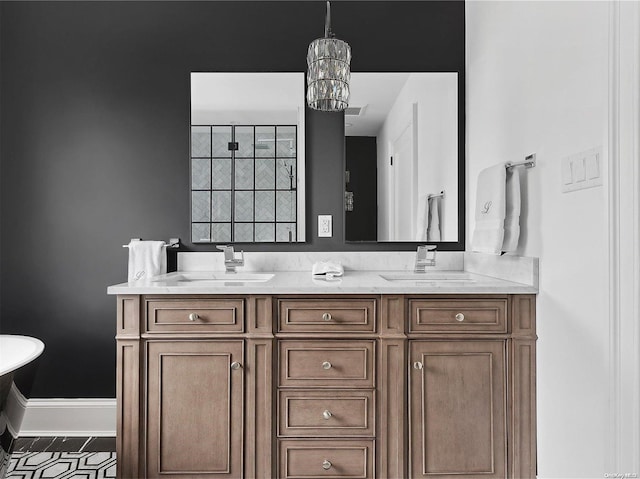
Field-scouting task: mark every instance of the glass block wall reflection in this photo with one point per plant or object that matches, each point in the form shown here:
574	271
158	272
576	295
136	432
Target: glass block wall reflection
243	183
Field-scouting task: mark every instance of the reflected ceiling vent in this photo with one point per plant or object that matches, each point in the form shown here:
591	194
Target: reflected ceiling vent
355	110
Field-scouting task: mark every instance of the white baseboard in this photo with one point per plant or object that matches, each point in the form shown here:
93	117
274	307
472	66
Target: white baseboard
69	417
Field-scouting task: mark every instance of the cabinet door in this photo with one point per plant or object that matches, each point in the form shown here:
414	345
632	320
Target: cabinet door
457	409
194	409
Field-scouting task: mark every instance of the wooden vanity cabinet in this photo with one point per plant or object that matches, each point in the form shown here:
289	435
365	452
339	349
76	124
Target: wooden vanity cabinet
457	409
472	387
194	408
194	387
348	386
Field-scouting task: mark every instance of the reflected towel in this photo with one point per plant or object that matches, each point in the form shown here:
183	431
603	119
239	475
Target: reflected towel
433	228
146	259
422	219
512	211
490	210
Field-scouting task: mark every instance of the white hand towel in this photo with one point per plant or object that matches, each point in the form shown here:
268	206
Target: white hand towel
490	210
423	218
146	259
433	228
512	214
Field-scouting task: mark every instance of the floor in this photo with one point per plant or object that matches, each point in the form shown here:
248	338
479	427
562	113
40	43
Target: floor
63	458
65	444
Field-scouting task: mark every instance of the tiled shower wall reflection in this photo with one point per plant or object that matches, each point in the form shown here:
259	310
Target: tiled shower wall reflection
243	183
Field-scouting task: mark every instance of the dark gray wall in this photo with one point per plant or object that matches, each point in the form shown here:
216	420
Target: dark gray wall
94	142
361	158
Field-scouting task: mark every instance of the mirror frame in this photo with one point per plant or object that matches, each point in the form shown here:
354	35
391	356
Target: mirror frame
458	245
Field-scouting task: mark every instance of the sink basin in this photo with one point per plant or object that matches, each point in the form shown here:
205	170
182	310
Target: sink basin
204	278
434	277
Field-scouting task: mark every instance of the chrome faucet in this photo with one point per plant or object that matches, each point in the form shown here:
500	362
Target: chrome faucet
230	260
425	256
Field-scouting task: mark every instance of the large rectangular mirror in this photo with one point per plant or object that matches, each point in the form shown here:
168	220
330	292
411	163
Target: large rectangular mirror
247	157
402	157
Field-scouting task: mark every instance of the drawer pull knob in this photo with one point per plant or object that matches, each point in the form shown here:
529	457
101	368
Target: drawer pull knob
235	365
194	317
326	365
417	365
326	316
460	317
326	465
327	414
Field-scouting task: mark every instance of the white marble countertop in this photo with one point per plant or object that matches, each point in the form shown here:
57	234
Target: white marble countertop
302	282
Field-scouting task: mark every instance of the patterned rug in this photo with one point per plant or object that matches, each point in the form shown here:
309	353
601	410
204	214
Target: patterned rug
62	465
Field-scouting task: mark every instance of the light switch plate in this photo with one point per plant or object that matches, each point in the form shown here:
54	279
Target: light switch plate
567	174
579	168
325	229
582	170
593	166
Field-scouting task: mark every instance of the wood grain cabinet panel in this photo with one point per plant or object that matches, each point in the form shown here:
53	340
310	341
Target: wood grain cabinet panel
327	364
322	413
194	409
195	316
327	315
326	458
458	315
457	409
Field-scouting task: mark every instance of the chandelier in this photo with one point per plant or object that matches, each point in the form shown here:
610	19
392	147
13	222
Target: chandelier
328	71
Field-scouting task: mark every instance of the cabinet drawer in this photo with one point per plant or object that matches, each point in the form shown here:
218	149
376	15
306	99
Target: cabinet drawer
320	413
333	364
190	316
326	458
459	315
321	315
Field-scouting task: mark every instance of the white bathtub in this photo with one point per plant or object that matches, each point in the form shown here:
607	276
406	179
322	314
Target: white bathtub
16	351
18	355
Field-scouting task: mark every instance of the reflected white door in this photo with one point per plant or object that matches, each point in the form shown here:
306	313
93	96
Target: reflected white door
403	175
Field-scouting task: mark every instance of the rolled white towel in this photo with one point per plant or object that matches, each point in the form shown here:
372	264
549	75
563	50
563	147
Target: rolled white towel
327	269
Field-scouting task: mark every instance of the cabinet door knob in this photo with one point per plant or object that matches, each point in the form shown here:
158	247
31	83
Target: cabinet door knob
417	365
326	365
326	316
460	317
235	365
193	317
326	465
327	414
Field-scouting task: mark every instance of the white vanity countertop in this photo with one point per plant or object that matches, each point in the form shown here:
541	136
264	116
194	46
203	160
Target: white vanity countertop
302	282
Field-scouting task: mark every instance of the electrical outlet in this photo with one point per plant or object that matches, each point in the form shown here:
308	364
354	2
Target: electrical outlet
324	226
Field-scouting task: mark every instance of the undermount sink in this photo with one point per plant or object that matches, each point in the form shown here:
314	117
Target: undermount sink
434	277
200	278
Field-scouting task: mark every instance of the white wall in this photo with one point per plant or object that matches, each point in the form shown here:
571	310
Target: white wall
537	83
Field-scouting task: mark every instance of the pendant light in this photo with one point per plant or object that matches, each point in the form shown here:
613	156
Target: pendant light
328	71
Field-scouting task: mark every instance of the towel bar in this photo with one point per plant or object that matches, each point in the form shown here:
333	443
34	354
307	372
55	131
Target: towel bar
172	243
529	162
436	195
